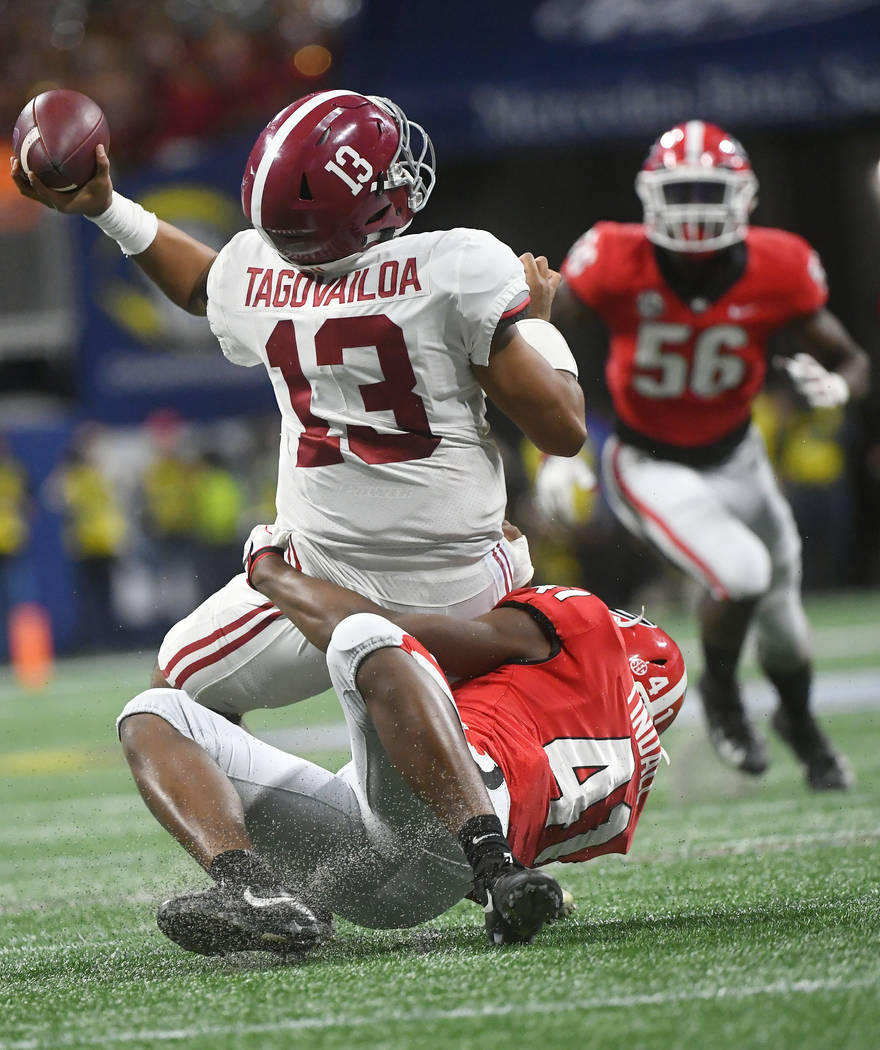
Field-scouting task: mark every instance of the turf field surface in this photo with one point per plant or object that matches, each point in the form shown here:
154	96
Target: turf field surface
747	914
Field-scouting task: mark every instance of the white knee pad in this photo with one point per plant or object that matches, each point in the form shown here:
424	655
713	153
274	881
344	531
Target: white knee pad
167	703
783	632
746	570
353	639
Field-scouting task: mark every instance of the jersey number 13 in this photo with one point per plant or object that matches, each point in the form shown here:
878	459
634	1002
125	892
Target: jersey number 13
394	392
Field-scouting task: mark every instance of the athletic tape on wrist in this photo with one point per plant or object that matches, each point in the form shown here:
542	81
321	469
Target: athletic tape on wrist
258	555
131	226
549	342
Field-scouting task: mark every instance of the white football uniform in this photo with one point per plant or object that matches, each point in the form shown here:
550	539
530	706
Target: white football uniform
359	841
387	474
727	526
386	458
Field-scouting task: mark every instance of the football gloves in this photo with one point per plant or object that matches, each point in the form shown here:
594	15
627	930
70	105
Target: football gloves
816	385
563	487
263	540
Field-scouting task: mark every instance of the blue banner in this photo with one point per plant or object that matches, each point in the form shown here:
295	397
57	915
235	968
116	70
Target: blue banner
490	75
139	352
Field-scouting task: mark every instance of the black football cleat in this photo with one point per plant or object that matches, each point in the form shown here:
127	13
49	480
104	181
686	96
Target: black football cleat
730	730
223	920
826	769
518	902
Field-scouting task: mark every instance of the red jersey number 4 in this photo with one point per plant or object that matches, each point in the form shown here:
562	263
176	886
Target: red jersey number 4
614	765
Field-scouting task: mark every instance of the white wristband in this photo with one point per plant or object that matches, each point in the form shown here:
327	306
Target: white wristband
549	342
131	226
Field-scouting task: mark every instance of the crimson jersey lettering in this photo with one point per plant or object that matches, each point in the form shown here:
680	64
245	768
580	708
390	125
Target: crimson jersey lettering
571	734
386	460
278	288
686	373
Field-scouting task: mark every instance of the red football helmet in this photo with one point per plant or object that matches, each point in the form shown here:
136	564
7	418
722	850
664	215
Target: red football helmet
657	666
697	189
334	173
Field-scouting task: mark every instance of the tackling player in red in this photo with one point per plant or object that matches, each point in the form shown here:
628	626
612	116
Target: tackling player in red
560	700
689	299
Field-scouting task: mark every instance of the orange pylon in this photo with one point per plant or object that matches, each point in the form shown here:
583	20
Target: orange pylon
30	644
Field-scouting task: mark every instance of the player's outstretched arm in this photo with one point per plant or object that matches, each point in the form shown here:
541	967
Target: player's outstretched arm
179	265
824	337
463	648
173	260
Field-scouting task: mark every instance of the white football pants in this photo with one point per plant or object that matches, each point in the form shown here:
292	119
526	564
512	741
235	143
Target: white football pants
358	841
726	526
237	651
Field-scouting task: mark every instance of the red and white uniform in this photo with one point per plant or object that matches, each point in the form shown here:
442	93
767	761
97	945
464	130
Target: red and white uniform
684	373
386	460
566	745
571	735
685	471
387	474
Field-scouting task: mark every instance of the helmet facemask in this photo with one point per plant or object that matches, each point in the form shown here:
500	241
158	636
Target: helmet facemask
695	208
406	170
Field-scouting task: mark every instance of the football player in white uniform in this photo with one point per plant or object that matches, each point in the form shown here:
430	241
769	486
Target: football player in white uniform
449	792
381	349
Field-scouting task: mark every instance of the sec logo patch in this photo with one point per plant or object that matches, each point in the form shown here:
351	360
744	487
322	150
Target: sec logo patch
650	304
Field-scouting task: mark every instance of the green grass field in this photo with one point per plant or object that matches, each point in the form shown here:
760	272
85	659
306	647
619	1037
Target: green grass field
746	916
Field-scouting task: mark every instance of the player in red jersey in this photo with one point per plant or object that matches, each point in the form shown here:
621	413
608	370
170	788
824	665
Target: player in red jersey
560	703
689	300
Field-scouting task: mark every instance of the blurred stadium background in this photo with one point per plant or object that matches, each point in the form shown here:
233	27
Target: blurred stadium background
133	458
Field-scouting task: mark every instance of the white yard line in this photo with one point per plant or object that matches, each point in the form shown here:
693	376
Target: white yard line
87	806
834	691
382	1019
755	846
857	689
103	826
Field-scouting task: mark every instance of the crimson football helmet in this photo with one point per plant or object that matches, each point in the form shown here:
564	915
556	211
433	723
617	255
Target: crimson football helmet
657	666
333	173
697	189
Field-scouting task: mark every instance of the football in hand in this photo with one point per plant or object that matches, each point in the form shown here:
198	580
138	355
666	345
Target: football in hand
55	138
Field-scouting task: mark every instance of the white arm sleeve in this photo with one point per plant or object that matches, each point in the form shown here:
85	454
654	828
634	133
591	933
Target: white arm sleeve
549	342
489	279
227	288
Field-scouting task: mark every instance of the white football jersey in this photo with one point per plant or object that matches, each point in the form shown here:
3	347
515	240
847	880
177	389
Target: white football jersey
386	459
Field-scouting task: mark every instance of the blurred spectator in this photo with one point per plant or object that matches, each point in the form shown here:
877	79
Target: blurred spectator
168	76
167	515
217	501
94	531
261	472
16	508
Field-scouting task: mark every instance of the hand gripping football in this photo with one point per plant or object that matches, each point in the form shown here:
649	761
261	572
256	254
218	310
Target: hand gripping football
55	138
